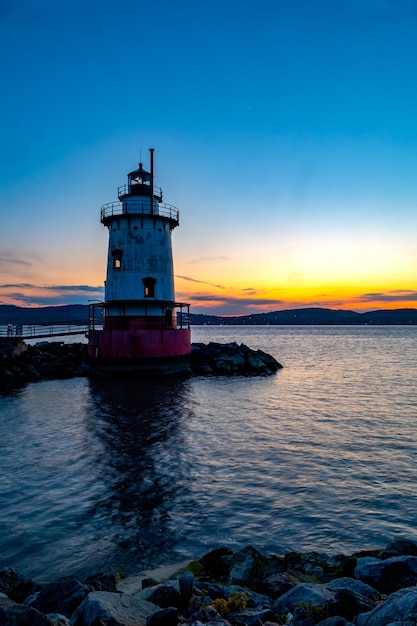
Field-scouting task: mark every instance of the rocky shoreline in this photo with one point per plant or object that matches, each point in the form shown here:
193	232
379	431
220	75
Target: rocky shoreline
21	363
223	588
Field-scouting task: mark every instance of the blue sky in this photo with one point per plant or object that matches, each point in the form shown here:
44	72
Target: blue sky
285	132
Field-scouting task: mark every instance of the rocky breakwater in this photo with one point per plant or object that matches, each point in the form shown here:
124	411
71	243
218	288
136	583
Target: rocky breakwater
21	363
230	359
226	588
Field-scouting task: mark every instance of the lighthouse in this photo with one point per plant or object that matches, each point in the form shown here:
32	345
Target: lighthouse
139	328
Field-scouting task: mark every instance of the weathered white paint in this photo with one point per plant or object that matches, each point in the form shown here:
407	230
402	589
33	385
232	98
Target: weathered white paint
143	244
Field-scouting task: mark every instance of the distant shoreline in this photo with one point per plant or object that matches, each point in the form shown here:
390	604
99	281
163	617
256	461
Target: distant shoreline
78	314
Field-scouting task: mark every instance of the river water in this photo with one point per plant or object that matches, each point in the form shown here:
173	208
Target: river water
99	473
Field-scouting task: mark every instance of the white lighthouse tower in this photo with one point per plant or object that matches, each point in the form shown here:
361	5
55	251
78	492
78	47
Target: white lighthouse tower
141	332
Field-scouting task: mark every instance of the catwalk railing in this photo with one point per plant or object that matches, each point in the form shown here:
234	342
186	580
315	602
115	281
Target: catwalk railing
34	331
139	207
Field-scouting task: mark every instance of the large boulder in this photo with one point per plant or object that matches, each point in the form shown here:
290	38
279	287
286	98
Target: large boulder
13	614
275	585
163	617
62	596
247	567
115	609
306	600
217	562
163	595
15	585
354	585
316	567
387	575
399	547
400	609
349	603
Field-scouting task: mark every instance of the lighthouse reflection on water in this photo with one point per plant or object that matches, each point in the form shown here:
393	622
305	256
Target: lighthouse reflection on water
144	329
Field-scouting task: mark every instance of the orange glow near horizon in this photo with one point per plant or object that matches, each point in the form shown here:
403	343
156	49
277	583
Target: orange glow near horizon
326	274
247	301
215	299
311	272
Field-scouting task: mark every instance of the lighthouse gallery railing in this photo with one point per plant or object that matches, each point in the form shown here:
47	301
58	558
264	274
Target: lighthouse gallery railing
139	207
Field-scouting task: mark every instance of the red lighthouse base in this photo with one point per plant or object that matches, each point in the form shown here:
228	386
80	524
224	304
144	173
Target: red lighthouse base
140	351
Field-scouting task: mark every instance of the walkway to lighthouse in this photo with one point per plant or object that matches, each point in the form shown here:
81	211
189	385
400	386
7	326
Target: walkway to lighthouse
42	331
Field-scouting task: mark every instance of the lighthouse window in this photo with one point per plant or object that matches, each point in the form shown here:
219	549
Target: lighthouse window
117	259
149	287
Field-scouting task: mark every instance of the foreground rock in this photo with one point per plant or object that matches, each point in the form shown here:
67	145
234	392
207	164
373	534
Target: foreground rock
388	575
101	607
21	363
223	588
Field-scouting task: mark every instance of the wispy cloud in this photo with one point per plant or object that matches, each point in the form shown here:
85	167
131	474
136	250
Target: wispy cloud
10	260
202	282
213	304
25	300
395	295
76	288
7	259
237	301
27	294
17	286
55	288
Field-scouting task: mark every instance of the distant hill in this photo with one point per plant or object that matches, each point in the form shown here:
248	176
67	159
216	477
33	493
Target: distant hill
10	314
314	316
74	313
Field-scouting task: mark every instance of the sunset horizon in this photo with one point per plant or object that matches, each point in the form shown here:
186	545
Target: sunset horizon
225	307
